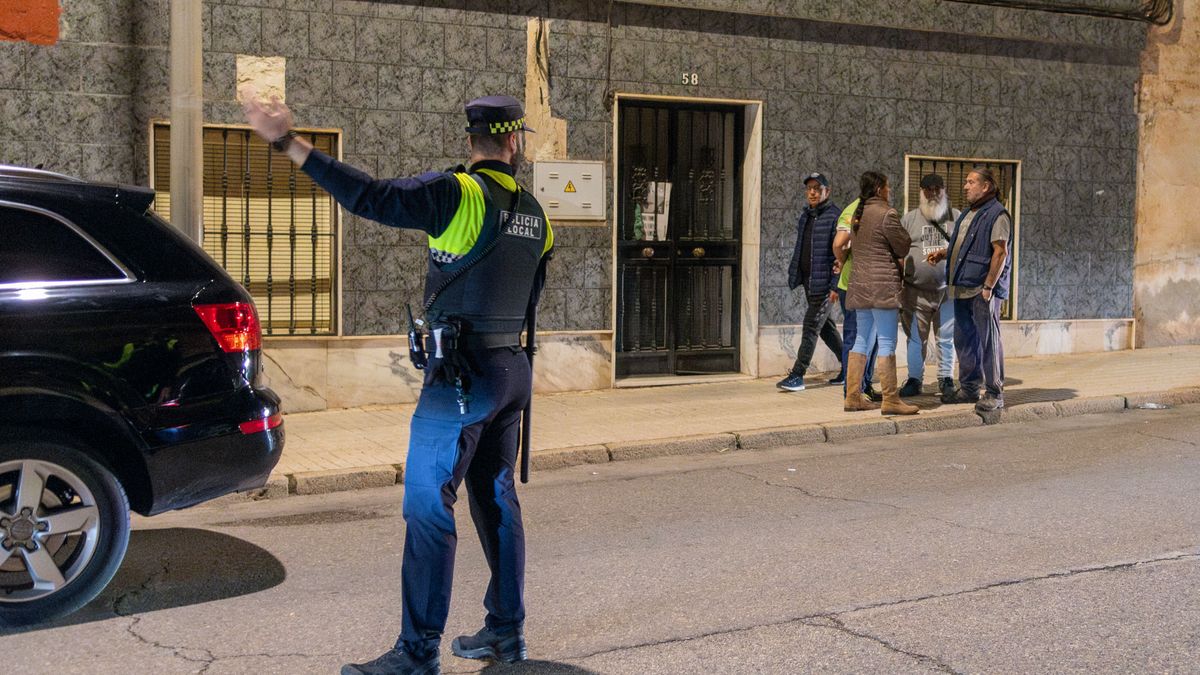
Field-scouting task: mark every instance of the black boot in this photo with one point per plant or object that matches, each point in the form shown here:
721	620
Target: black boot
947	387
912	387
396	662
508	647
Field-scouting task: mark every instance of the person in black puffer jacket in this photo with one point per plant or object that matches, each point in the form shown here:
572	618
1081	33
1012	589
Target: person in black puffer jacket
812	268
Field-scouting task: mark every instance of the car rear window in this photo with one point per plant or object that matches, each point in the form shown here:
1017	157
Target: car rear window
35	247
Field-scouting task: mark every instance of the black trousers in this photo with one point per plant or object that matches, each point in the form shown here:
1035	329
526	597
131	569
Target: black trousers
817	322
446	447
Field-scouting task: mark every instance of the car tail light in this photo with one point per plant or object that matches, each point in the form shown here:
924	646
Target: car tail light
234	325
255	426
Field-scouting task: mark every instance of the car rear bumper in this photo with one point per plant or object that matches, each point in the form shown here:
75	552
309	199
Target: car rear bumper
185	474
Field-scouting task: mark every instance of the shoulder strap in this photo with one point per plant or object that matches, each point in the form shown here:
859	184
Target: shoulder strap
480	254
941	231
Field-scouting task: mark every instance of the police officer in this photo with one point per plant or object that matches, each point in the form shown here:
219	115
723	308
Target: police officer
489	240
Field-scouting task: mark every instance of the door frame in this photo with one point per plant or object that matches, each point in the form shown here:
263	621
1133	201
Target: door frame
751	209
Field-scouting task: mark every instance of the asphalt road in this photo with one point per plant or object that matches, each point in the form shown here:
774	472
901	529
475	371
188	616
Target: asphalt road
1070	545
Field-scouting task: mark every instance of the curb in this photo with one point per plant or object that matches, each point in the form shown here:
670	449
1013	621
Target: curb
774	437
1089	406
687	445
337	480
848	431
917	424
561	458
1169	397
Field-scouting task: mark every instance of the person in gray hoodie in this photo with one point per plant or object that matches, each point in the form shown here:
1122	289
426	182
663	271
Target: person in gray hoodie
925	307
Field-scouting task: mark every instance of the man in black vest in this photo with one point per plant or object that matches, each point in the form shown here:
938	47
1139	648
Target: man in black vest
489	241
812	268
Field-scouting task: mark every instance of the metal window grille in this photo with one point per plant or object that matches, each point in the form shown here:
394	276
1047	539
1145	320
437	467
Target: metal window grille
267	223
954	171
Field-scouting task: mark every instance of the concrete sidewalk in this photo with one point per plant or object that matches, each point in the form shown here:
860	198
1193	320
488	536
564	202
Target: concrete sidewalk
364	447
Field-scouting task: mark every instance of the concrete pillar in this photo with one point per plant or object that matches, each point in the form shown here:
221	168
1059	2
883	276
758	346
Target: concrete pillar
1166	279
187	117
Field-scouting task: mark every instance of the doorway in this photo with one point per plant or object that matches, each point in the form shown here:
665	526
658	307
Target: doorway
679	238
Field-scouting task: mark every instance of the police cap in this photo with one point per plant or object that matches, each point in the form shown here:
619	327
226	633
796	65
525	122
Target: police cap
495	115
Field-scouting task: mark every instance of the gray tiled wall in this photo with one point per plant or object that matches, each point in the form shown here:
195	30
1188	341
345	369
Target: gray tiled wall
838	97
843	99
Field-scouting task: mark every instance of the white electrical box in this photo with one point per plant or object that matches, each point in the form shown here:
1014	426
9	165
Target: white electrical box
570	190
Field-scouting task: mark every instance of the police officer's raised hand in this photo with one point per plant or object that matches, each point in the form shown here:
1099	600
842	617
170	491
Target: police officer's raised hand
272	121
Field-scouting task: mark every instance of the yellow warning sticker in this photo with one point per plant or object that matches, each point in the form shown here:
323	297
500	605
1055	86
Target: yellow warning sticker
570	187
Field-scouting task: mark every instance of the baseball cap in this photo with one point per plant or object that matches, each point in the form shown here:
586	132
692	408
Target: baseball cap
819	177
932	181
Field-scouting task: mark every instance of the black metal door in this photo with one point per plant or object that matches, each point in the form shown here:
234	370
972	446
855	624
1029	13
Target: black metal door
679	239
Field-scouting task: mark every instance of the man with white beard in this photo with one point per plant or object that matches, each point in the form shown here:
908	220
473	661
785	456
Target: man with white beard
925	288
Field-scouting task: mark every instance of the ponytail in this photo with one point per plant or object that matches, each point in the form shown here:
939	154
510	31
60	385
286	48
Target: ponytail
869	184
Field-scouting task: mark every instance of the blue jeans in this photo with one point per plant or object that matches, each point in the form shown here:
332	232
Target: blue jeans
884	324
945	343
849	333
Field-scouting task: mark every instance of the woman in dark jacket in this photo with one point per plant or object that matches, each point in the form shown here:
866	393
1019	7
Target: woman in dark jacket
879	243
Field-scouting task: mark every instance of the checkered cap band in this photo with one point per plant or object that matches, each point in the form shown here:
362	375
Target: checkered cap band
505	127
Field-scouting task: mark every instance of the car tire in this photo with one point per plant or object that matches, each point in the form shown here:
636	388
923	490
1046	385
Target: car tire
79	524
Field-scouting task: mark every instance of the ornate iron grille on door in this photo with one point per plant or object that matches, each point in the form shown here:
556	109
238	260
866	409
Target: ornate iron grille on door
679	239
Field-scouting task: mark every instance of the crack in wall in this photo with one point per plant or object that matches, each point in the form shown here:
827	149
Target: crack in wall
809	619
302	387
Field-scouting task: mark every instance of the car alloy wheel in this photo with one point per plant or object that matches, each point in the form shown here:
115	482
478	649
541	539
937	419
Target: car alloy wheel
48	528
64	527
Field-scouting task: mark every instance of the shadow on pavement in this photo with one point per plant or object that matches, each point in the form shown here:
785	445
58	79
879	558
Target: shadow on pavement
176	567
536	667
930	400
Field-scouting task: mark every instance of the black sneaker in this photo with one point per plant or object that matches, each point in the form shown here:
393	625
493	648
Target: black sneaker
395	662
912	387
840	378
506	647
872	395
791	383
947	386
962	396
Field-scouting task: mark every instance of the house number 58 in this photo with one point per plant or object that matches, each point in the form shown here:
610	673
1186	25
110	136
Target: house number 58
691	78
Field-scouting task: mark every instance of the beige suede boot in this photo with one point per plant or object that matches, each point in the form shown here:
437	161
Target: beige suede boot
855	401
892	405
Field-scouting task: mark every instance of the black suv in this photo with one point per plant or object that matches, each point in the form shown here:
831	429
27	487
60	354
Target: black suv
129	379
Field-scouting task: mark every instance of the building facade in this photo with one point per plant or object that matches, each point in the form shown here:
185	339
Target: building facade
700	116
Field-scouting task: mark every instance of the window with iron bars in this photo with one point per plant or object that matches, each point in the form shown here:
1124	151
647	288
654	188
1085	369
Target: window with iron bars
266	222
953	171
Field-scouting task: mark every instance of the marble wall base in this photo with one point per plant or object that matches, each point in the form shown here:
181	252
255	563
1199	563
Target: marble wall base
324	373
777	345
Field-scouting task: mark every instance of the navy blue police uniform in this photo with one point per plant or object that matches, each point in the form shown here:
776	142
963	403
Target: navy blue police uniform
489	240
